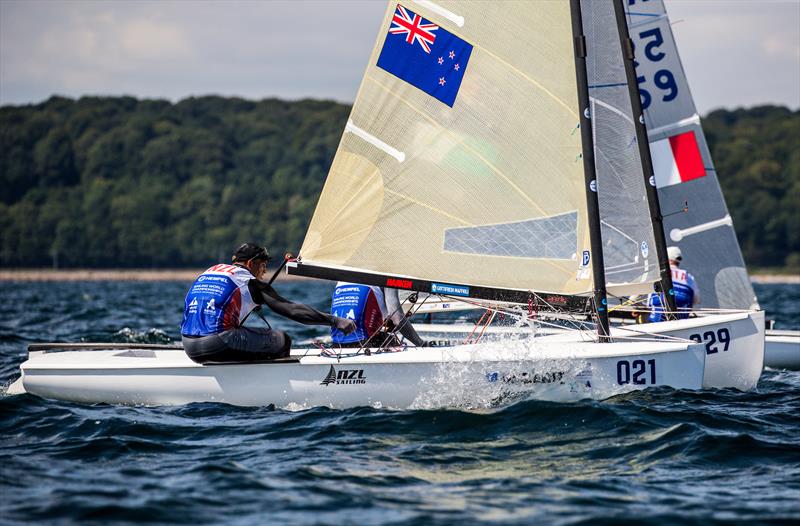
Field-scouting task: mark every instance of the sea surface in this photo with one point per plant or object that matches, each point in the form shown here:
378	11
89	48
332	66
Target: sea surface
655	457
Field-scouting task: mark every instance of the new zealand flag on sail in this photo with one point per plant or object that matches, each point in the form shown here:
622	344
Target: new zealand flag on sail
425	55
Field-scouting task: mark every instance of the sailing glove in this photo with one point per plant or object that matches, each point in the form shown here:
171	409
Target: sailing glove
344	325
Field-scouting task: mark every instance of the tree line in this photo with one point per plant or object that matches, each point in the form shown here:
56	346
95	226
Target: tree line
121	182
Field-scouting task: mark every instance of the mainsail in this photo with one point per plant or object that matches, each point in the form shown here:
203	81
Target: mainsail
462	162
481	186
684	170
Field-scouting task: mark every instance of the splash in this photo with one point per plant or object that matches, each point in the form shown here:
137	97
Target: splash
522	374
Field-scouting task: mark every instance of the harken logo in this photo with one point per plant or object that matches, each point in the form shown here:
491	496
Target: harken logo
344	377
397	283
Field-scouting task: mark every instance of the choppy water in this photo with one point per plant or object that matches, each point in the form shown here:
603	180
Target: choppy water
658	456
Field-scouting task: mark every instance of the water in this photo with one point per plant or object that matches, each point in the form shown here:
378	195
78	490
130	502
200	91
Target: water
659	456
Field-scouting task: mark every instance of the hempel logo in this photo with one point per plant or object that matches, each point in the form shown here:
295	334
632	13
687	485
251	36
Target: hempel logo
344	377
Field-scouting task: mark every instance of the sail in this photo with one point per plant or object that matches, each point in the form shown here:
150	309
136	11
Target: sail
460	163
684	170
629	252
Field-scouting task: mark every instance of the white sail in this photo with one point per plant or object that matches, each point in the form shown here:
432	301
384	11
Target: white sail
629	252
481	187
684	170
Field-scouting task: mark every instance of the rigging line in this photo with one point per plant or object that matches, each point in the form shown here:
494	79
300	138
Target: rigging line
460	142
346	206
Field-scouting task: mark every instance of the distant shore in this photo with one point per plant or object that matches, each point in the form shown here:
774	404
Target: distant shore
110	275
789	279
190	274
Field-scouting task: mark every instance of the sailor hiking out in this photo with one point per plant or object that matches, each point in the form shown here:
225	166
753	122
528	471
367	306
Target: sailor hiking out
223	296
687	295
374	310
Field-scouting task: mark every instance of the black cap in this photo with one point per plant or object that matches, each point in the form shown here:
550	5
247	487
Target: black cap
248	252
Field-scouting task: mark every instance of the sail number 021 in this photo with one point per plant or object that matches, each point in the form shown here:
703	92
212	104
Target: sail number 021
638	372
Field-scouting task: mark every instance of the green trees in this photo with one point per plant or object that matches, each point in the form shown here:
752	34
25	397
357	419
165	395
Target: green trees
116	181
757	157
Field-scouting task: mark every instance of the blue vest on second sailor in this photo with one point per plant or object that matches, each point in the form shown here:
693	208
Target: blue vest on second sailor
684	286
363	304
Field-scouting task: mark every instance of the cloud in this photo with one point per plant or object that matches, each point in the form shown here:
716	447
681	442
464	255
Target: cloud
143	39
307	48
777	47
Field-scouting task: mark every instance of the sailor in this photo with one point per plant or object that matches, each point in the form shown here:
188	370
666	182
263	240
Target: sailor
372	309
687	295
224	295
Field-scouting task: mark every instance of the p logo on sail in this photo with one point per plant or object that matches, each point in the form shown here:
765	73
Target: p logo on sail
425	55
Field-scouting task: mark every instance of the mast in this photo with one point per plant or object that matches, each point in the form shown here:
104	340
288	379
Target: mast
665	283
592	203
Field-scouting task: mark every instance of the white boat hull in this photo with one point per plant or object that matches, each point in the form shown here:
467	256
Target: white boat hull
464	376
782	350
734	343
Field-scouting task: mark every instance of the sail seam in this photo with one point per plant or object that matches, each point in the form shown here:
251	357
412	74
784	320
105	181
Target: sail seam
429	207
321	248
346	206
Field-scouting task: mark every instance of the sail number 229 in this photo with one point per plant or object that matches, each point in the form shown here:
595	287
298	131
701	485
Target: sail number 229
714	340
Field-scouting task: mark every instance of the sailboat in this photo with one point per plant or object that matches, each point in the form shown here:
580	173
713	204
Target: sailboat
695	216
685	174
468	169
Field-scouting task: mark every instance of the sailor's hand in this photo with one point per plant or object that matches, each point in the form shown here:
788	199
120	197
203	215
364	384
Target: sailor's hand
344	325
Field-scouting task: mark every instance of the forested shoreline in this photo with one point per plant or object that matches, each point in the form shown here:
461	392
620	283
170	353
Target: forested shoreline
104	182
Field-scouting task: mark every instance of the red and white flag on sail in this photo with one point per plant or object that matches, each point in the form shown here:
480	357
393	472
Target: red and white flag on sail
676	159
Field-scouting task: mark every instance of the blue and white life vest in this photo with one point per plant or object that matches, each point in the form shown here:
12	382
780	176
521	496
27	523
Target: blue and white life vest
363	304
218	301
684	286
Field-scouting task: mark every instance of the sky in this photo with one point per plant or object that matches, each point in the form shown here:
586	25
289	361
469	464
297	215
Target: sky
736	52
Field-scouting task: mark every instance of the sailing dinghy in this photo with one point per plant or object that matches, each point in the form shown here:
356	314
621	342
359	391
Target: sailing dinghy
467	168
684	171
